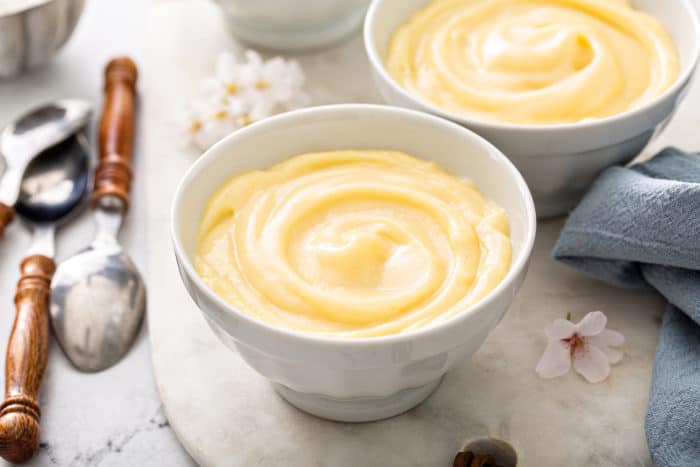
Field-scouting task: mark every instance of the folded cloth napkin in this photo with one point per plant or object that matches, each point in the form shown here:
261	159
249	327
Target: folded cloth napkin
639	227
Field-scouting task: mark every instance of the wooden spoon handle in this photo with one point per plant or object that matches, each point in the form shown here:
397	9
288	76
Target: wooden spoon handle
113	175
6	216
25	362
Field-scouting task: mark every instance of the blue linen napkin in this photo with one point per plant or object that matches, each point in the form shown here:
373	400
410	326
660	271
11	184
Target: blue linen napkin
639	227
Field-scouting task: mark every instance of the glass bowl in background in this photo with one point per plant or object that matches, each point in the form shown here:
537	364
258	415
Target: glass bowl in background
293	25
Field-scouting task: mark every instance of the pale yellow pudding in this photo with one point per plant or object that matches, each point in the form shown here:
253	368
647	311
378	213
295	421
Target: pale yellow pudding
533	62
352	243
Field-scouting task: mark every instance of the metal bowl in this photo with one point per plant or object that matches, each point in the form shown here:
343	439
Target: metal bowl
32	30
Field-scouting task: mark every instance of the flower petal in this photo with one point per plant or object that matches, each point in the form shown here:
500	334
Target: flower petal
614	355
592	364
604	340
560	329
609	337
555	361
591	324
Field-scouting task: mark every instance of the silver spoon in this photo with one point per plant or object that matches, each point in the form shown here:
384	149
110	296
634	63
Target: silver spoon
54	185
31	134
98	297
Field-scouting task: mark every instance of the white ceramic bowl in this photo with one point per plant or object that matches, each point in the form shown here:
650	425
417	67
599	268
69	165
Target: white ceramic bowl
341	378
293	25
559	162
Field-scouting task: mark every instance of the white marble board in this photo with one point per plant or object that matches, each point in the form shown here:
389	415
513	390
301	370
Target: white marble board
227	415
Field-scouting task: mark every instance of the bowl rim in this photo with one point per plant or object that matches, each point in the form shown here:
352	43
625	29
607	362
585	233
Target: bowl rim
380	70
518	264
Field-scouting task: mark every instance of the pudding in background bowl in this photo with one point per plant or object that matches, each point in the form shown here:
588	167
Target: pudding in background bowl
340	377
602	78
533	63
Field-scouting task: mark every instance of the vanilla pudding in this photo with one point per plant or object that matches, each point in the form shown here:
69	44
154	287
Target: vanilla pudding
354	243
533	62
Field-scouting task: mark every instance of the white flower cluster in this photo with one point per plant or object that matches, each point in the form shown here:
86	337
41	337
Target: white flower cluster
242	92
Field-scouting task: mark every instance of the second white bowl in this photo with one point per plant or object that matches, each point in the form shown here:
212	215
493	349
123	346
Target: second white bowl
559	162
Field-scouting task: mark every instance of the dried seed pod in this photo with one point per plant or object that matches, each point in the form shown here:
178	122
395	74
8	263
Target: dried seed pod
463	459
483	460
469	459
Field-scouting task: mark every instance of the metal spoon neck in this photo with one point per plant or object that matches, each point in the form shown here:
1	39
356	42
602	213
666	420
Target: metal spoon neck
108	220
43	240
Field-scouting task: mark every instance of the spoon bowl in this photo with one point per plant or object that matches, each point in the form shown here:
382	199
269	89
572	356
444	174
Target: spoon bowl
42	128
29	136
102	286
55	182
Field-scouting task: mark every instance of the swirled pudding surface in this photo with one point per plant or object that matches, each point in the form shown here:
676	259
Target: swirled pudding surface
533	62
352	243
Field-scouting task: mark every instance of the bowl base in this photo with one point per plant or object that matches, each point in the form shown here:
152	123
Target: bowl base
301	40
364	409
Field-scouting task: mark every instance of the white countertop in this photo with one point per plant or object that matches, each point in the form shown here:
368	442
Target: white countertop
113	418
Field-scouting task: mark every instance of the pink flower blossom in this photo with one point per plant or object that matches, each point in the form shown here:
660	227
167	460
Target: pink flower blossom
587	344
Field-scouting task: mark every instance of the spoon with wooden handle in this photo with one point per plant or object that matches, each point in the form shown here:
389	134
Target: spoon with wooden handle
98	296
54	185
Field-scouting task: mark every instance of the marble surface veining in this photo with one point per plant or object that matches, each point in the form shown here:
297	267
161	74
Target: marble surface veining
225	414
113	418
